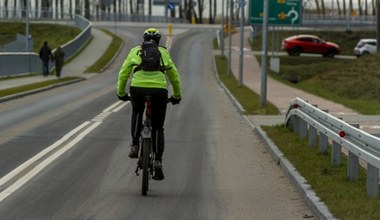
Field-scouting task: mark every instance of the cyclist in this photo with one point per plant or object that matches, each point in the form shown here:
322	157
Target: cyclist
154	84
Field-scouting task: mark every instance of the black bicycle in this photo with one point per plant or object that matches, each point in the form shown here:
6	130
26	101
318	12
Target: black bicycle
147	155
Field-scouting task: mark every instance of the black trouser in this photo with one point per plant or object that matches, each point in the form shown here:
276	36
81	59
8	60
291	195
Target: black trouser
158	99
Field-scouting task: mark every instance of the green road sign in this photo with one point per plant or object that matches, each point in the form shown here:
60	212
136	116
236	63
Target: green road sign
281	12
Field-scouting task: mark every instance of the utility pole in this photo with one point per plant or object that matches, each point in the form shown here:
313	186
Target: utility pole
222	32
263	95
378	25
27	27
229	40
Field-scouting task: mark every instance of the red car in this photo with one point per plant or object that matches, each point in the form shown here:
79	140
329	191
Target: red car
295	45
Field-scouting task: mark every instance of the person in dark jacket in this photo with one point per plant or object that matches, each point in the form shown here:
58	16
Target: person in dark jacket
45	55
59	60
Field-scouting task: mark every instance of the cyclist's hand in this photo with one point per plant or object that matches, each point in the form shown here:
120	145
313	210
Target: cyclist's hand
124	98
175	101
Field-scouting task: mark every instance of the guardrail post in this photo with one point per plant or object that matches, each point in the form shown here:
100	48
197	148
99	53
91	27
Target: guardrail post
323	142
372	180
353	163
353	166
336	151
312	136
302	128
297	124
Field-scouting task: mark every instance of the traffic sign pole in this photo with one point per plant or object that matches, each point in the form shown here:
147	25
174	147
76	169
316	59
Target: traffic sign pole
241	55
263	96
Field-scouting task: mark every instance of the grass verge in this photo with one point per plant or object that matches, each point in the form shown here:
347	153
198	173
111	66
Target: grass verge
19	89
247	98
345	199
108	55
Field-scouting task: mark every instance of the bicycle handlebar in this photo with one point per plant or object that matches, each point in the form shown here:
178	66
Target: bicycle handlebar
128	98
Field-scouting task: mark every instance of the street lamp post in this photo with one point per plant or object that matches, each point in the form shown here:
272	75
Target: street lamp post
229	40
27	27
222	33
241	55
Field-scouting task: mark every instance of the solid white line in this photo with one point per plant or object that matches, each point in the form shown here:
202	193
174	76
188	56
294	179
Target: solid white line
38	156
4	194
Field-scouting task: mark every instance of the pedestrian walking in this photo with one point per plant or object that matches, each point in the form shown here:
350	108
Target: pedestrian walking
45	55
59	59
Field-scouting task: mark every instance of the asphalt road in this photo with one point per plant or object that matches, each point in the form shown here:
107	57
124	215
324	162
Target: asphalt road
73	142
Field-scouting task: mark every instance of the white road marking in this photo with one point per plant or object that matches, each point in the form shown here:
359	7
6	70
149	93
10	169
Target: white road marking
77	134
169	41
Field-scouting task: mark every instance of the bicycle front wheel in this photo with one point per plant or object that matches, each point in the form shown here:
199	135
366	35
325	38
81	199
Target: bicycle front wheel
146	147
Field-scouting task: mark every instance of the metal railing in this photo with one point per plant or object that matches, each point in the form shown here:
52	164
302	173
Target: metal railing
29	62
310	122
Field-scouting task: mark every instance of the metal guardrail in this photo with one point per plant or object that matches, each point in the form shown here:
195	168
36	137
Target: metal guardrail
312	123
14	63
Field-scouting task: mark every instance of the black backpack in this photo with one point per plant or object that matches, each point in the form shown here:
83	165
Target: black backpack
150	57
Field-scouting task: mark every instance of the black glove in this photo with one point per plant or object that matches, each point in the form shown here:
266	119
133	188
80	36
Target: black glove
124	98
175	101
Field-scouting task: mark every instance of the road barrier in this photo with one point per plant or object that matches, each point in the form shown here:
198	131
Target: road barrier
310	122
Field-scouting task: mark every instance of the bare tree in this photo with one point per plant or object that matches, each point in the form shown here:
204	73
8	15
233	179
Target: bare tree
77	7
374	6
56	8
351	8
338	6
201	7
6	8
14	8
36	9
210	18
45	5
344	7
87	9
317	5
323	7
62	11
360	7
23	6
214	10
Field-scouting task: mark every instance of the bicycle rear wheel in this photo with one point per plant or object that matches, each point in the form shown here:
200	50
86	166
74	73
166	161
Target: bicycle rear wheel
146	147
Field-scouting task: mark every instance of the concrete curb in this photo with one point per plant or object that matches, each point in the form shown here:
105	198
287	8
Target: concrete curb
31	92
308	194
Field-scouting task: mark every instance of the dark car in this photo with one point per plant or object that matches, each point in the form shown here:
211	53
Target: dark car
304	43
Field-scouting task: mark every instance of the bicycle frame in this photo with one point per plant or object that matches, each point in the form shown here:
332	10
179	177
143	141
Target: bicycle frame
146	154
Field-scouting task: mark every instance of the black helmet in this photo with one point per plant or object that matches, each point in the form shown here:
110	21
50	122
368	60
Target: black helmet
152	34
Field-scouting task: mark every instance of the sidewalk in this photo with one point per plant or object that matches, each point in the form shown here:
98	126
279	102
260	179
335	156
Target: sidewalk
75	67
